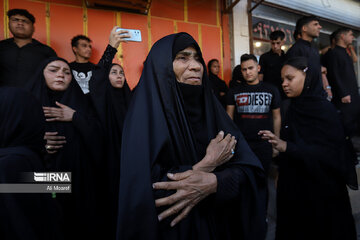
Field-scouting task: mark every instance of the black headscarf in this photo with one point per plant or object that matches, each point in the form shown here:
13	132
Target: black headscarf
111	105
237	77
81	153
22	128
217	84
315	127
159	137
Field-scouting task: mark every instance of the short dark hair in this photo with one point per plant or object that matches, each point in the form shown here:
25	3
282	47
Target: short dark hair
277	34
245	57
75	40
333	35
303	21
22	12
341	31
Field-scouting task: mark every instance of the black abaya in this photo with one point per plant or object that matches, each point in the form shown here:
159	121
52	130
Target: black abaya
161	135
111	105
312	200
80	155
23	216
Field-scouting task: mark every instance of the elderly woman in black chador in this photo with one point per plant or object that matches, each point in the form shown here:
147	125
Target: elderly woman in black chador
111	95
176	179
315	163
32	216
73	145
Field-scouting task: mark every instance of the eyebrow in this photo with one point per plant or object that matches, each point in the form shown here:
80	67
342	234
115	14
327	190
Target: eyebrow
54	66
188	53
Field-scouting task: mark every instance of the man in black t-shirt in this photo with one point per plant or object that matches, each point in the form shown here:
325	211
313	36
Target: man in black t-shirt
21	55
255	105
271	62
342	78
82	68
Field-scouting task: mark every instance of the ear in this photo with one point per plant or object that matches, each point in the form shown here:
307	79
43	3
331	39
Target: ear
258	68
74	50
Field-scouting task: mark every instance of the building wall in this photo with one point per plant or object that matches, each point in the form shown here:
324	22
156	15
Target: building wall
57	21
241	31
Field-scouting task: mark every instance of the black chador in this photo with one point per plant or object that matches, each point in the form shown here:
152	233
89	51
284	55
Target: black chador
305	49
167	129
24	216
111	106
312	199
80	155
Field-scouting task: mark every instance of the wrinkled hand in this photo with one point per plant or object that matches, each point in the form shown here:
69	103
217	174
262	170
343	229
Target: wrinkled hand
116	38
346	99
219	151
191	187
62	114
276	142
53	142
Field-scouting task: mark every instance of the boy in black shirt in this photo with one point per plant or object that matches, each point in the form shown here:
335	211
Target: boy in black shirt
271	62
253	106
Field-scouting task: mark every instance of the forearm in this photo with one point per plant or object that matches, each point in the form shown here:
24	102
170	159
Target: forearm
107	57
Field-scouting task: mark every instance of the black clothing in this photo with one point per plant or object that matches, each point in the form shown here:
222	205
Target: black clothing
162	134
218	86
83	72
80	154
253	108
236	78
111	105
18	65
271	64
342	78
304	48
30	216
314	171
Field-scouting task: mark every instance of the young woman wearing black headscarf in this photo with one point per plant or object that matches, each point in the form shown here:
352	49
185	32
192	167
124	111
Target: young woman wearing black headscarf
170	122
219	86
73	143
111	95
30	216
236	78
315	163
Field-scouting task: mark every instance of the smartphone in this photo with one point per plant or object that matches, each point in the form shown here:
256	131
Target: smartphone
135	35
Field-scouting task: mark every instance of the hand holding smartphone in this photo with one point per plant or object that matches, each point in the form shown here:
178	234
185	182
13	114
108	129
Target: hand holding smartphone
135	35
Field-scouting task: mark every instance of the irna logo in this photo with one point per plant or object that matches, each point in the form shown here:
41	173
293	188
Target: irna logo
52	177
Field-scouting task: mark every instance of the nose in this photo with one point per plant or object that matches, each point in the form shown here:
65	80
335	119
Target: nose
194	65
59	74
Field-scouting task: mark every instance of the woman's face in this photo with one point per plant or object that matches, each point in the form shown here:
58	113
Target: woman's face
215	68
187	67
293	81
117	76
57	75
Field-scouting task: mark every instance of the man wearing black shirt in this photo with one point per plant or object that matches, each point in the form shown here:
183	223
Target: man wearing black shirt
253	106
308	28
271	62
20	55
81	45
342	78
82	68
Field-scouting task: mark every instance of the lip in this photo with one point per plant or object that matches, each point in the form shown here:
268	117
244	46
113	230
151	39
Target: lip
59	82
193	78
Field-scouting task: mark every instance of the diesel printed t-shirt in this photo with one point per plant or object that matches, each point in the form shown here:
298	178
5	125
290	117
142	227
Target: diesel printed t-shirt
253	107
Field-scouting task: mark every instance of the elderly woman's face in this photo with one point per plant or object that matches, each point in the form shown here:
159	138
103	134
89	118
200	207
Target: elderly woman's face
117	76
57	75
187	67
293	81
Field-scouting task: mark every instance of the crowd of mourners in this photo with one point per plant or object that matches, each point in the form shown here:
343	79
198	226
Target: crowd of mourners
182	155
